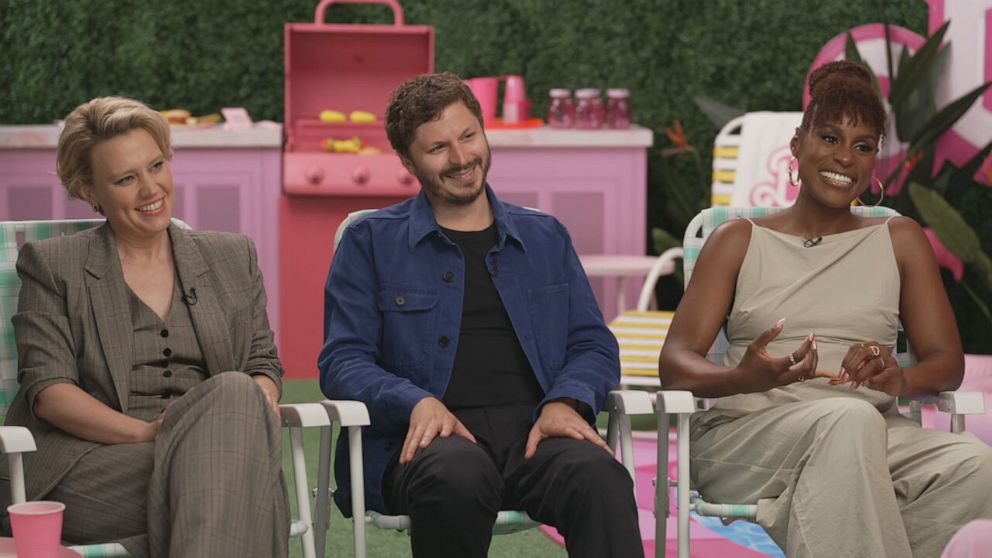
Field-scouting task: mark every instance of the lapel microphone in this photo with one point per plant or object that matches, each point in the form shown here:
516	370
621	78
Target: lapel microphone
811	242
190	298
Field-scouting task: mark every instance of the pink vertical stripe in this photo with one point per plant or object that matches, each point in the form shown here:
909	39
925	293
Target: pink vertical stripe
936	15
988	57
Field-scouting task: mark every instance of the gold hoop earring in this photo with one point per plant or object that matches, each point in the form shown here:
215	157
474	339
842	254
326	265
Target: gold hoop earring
881	190
794	181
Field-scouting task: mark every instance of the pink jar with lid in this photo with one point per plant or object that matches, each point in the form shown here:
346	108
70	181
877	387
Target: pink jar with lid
561	111
618	108
589	110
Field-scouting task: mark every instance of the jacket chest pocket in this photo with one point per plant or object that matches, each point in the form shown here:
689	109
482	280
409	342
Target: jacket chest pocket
407	326
549	314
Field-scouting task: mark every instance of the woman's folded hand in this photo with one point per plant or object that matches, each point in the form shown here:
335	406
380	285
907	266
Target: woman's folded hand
760	371
872	364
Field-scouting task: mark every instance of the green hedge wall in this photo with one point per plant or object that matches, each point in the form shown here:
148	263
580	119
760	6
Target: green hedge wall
203	55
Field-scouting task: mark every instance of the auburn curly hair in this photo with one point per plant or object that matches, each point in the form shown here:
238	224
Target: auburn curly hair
421	100
843	90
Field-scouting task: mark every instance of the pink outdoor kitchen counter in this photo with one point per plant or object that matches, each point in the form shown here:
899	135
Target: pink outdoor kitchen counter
225	180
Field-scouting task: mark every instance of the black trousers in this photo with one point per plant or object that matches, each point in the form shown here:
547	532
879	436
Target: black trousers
453	489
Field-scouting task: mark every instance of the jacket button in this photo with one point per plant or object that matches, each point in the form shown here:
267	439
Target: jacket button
400	300
448	276
167	352
167	373
444	341
164	333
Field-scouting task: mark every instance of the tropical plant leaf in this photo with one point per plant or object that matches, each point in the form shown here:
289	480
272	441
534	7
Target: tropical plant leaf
963	177
718	113
945	118
941	180
851	53
923	168
919	106
953	231
984	267
897	114
917	68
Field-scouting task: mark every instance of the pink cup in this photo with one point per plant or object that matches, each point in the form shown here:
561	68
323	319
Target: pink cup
486	90
37	528
515	90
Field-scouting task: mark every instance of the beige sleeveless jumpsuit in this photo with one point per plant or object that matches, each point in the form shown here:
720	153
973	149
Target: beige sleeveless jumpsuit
835	472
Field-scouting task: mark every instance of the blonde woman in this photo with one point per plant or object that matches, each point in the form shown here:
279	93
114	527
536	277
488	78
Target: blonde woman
147	369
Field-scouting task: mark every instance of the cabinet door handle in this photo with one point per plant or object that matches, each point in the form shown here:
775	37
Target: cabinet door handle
314	174
360	175
404	177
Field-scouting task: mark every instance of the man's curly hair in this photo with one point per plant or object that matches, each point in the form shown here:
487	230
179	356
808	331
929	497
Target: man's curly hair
843	90
421	100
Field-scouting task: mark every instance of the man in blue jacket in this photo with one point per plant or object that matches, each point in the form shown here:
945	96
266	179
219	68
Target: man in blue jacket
468	328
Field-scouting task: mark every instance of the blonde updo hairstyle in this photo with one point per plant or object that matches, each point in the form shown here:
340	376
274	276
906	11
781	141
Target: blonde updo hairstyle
98	120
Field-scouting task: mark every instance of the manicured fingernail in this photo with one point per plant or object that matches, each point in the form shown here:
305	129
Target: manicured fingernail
779	323
814	343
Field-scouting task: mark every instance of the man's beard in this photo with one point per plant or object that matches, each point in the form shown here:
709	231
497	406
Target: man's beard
435	188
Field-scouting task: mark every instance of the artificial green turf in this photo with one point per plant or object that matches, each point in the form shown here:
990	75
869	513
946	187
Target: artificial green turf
385	544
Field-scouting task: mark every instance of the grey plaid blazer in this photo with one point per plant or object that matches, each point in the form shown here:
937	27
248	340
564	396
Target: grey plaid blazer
73	324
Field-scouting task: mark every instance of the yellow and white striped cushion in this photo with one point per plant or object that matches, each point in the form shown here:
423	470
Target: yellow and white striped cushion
640	335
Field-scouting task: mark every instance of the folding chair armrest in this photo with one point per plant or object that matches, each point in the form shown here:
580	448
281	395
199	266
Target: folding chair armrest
347	413
961	402
675	402
304	415
15	440
629	402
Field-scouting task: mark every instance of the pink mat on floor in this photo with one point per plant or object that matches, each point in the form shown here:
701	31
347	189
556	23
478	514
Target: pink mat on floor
704	543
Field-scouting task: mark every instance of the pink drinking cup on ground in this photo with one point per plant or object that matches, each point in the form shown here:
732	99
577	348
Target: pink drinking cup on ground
37	528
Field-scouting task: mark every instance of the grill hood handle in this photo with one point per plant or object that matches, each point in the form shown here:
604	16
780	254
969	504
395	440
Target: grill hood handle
393	4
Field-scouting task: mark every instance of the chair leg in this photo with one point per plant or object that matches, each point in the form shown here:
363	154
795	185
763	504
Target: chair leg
661	489
323	503
683	484
627	450
16	468
357	488
302	489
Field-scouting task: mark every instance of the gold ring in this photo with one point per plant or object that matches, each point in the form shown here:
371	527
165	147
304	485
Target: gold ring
802	378
874	350
792	359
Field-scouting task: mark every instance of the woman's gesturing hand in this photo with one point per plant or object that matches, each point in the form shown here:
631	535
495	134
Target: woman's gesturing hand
761	371
872	364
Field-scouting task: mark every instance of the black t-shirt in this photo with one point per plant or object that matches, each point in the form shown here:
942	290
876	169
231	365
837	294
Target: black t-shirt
490	365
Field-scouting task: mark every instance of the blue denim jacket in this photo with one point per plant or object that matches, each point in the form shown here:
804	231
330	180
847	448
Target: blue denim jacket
391	322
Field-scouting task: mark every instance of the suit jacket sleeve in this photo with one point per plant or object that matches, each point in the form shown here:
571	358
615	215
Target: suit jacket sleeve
262	356
45	346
